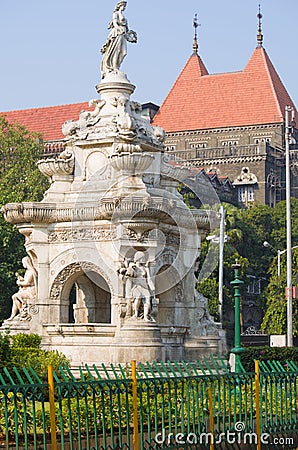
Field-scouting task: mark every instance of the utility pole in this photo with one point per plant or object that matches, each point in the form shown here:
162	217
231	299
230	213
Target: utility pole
289	288
221	261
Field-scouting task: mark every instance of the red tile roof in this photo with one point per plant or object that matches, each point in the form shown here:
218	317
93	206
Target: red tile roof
47	121
198	100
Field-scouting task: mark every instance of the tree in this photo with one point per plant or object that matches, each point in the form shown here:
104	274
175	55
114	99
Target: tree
20	181
275	319
209	287
248	229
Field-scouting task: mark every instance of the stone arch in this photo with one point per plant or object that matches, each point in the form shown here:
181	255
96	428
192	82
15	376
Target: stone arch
93	290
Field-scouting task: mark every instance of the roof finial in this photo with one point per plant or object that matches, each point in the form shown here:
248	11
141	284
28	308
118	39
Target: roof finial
260	36
195	41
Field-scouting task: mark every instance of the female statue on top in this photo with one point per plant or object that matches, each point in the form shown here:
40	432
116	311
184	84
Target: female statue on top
115	47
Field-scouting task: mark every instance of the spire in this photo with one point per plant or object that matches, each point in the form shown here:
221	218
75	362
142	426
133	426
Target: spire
260	36
195	41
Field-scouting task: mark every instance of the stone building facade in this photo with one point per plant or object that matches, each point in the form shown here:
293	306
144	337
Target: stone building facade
256	170
232	124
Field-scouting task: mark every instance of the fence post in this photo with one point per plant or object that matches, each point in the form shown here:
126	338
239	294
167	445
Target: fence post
135	405
52	407
211	418
258	404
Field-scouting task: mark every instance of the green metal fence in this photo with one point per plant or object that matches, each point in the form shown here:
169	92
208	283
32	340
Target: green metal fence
176	405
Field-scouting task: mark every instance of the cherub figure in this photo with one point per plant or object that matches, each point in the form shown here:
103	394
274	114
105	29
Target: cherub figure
139	286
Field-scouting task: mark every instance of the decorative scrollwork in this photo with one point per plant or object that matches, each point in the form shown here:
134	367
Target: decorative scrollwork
251	331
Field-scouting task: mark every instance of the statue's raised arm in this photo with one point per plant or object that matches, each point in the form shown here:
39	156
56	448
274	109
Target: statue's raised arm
115	48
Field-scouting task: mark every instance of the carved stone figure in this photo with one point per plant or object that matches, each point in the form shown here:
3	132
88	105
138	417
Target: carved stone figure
79	128
204	321
26	293
115	48
126	124
138	286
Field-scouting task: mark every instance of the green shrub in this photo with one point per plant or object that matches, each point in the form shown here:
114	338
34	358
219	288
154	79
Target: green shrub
281	354
26	340
5	350
9	405
38	359
24	351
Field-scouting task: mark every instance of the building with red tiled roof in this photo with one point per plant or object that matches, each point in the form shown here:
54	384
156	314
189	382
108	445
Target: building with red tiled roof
231	123
202	101
47	121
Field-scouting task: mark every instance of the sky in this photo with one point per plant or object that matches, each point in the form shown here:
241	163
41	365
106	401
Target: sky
50	50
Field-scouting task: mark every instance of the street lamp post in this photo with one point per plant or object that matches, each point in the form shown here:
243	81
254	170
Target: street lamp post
279	253
267	244
289	289
221	261
221	240
237	350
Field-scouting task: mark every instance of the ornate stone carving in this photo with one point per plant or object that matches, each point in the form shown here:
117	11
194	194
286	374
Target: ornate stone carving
146	131
71	269
131	124
125	147
131	162
123	311
33	310
54	168
125	122
172	239
246	177
35	212
152	234
204	323
166	258
136	206
138	288
82	234
87	120
179	292
139	206
115	48
173	170
27	233
23	300
154	308
202	219
96	166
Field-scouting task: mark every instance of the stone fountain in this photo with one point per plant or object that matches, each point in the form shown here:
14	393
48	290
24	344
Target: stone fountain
111	248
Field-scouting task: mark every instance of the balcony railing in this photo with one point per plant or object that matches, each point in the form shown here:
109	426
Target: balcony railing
52	148
226	152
